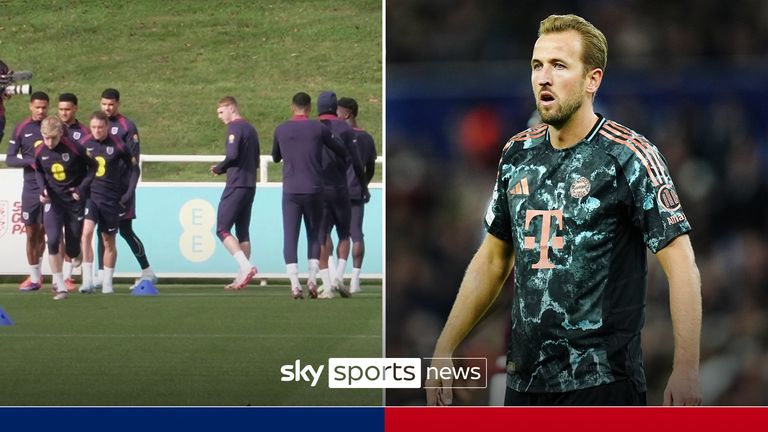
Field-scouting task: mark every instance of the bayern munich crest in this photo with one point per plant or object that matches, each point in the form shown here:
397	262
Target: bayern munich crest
580	187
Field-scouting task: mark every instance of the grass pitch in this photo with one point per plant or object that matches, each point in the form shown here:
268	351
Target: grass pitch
190	345
173	61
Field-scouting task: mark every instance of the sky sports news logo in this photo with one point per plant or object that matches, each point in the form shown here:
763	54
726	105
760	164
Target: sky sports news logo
387	372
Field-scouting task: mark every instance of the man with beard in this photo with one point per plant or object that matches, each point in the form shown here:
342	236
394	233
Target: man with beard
577	200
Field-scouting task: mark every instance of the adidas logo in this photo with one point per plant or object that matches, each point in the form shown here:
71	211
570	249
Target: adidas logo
521	188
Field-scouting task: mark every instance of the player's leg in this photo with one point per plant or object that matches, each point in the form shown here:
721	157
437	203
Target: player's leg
99	274
89	226
291	207
244	201
110	259
73	232
228	213
66	269
32	217
53	220
137	247
344	221
324	232
109	225
312	212
358	244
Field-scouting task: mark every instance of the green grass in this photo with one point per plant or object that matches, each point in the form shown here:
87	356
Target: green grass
191	345
172	61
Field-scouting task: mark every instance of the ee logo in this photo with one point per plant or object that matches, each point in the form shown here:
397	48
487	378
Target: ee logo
198	219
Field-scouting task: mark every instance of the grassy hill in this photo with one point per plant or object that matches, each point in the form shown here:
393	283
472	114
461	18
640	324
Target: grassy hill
172	61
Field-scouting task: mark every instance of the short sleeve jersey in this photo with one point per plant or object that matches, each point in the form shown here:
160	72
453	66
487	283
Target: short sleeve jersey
579	221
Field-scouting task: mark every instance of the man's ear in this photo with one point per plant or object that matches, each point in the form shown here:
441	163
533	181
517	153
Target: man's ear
594	78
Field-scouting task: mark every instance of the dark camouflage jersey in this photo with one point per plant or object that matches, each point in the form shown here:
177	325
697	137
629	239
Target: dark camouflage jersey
579	220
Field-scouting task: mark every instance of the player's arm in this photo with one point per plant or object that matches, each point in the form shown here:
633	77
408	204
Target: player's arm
12	158
277	156
679	264
370	164
357	165
334	143
40	179
482	283
133	164
84	188
133	141
233	151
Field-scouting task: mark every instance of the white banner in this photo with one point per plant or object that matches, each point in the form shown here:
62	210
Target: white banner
13	239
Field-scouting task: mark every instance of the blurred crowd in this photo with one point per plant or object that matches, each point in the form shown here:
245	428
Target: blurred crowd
690	76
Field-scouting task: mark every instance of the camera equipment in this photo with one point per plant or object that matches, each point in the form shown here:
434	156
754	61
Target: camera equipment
8	78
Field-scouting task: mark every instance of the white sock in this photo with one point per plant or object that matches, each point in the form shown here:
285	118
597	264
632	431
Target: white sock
99	277
314	267
293	274
58	280
341	267
326	278
332	267
106	286
35	274
242	261
355	283
147	273
67	270
87	274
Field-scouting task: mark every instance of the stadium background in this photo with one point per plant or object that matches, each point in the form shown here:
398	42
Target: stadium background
689	75
172	61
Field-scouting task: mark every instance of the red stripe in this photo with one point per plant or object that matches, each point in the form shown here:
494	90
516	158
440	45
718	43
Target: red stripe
636	151
544	419
528	132
650	152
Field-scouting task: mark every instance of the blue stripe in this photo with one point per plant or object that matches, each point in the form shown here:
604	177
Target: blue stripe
193	419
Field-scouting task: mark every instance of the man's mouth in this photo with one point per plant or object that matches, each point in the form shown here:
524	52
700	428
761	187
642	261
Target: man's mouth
546	98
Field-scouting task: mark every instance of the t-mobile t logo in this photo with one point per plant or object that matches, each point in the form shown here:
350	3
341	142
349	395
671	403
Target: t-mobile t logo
529	242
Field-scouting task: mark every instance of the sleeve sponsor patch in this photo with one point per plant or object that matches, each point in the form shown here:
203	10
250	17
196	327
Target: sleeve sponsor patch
231	138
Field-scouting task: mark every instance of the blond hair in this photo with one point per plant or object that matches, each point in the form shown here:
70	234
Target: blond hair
52	126
228	101
594	52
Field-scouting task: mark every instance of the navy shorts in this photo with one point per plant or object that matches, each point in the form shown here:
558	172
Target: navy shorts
235	209
64	214
105	213
31	208
337	212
